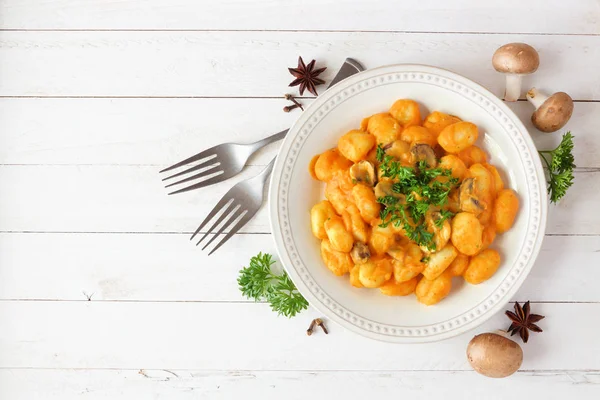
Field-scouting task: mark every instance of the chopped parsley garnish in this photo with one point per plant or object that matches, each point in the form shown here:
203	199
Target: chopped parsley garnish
422	190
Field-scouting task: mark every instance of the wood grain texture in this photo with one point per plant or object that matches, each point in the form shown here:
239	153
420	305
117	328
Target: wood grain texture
167	267
234	64
144	384
160	132
89	115
248	336
84	198
581	17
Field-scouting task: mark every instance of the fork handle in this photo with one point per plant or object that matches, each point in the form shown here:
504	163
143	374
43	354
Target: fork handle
270	139
264	174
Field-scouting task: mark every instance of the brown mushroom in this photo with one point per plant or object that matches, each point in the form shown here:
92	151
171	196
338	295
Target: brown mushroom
424	152
515	60
551	112
360	253
494	355
363	172
468	199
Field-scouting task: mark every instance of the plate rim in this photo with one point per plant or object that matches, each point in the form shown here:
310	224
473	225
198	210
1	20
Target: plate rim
401	72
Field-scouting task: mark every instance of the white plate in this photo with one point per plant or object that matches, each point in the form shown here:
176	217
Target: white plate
293	192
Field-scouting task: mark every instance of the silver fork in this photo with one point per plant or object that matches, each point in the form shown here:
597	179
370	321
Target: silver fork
218	163
238	206
240	203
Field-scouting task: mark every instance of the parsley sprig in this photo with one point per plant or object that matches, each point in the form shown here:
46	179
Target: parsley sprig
560	167
259	282
421	190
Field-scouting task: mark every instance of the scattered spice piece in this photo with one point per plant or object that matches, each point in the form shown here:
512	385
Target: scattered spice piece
320	323
293	100
306	76
523	321
309	331
289	108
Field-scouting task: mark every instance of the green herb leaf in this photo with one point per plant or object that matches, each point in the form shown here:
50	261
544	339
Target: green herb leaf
258	282
560	167
379	153
285	298
255	280
445	214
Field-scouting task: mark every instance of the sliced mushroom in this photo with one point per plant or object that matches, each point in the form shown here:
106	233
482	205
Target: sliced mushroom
385	188
363	172
515	60
360	253
468	199
424	152
453	200
494	355
551	112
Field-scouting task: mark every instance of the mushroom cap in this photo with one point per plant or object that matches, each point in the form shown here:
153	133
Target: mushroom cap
516	58
424	152
363	172
554	113
360	253
494	355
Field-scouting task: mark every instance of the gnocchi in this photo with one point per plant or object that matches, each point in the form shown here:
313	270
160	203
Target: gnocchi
320	213
384	127
418	134
430	292
505	210
355	145
457	137
459	265
472	155
467	233
406	112
376	272
482	266
410	204
338	262
339	237
393	288
330	163
437	121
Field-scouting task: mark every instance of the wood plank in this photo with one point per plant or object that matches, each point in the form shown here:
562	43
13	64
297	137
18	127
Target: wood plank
155	132
85	198
62	384
226	64
118	267
205	336
380	15
162	131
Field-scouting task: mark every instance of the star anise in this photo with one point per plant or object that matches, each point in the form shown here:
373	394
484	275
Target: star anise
306	76
523	321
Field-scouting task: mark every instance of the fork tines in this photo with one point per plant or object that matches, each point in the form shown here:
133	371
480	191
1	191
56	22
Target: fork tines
209	167
233	217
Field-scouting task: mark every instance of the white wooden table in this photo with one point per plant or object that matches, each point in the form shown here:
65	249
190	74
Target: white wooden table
102	296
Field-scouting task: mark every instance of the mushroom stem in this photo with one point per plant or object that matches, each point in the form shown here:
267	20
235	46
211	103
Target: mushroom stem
536	98
513	87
